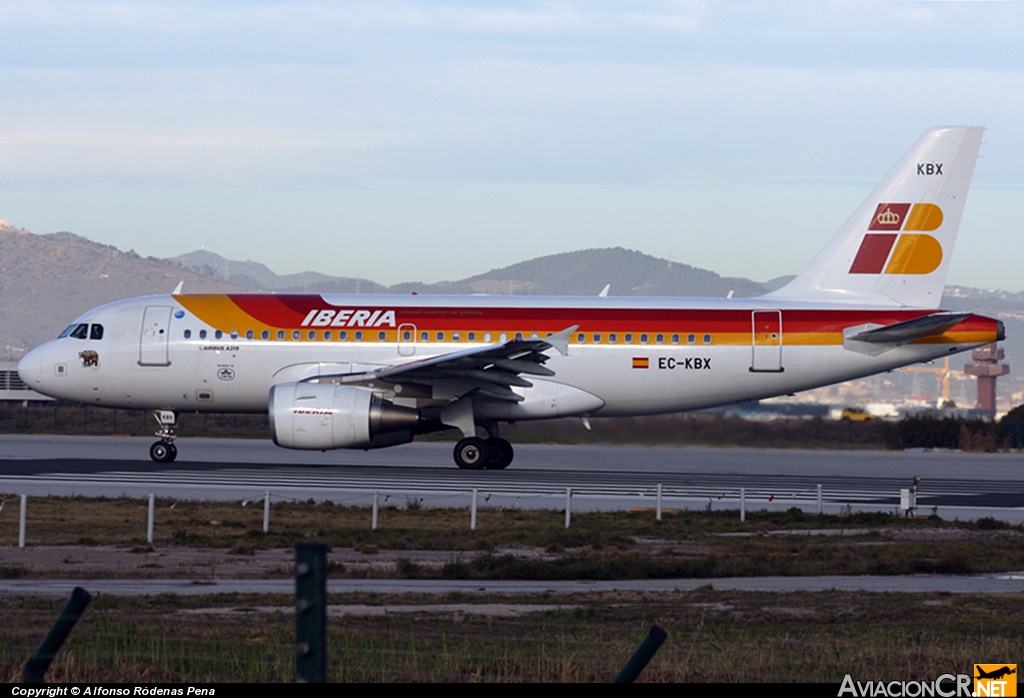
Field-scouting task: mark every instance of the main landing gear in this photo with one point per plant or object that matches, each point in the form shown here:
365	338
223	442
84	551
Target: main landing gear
164	450
475	453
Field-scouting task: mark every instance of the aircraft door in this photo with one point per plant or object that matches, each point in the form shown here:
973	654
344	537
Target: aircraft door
406	340
155	336
767	341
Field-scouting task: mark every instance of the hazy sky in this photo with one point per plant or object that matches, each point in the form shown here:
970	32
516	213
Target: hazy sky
403	141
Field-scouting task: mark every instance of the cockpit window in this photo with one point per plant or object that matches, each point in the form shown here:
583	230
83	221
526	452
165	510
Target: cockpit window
66	332
96	332
79	332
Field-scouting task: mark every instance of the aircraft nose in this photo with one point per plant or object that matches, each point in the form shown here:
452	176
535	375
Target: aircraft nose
30	369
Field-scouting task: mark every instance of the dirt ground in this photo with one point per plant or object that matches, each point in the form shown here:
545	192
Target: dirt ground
177	562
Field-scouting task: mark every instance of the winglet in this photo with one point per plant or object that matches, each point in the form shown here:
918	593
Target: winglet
560	340
177	289
604	291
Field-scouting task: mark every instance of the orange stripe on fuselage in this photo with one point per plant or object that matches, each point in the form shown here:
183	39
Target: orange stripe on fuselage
729	327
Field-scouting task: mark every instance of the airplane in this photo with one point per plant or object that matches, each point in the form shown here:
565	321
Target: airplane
995	673
371	371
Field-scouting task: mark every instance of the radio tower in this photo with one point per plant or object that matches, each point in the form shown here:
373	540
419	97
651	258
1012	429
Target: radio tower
987	368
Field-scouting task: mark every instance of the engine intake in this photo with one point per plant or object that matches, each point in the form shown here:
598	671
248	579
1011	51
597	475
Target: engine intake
320	416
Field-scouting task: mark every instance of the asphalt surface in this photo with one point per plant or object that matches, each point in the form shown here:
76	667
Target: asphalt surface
953	485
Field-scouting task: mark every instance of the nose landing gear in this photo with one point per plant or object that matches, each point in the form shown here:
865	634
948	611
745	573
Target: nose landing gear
164	450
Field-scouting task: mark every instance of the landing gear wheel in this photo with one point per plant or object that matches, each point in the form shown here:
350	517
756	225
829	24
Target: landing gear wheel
499	454
471	453
163	452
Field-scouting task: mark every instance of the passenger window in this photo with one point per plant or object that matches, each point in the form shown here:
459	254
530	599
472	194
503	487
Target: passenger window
707	339
581	338
472	336
440	336
80	332
249	334
96	332
265	334
424	336
675	339
327	335
202	334
218	334
504	337
628	338
234	334
188	334
296	335
406	335
456	336
643	339
612	338
691	339
311	335
597	338
342	336
487	336
660	338
359	335
280	334
382	335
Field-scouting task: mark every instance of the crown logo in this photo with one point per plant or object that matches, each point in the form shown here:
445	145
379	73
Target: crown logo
888	217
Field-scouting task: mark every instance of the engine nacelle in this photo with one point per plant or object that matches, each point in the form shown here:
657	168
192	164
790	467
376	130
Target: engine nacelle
320	416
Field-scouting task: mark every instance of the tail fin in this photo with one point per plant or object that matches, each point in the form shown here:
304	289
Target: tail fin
896	247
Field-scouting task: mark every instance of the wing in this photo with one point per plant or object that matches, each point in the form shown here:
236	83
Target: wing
489	371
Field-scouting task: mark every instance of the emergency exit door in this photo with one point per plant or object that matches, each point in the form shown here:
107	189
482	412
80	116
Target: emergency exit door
767	341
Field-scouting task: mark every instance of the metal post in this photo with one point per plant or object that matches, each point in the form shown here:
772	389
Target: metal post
266	512
472	516
39	662
311	612
568	508
643	654
743	504
658	515
21	521
819	500
149	519
376	501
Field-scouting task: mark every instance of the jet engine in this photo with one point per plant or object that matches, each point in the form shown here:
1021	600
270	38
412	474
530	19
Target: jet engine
319	416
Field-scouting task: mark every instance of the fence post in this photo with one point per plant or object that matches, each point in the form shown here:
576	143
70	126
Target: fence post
266	512
568	507
149	518
472	516
21	521
819	500
39	662
743	504
311	612
376	500
658	515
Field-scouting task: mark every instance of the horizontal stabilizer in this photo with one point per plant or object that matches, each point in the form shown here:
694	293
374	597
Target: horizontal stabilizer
928	326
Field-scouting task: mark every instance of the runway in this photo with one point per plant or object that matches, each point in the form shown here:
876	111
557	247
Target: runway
1008	583
953	485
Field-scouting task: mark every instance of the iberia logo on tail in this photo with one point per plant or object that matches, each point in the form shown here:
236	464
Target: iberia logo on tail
914	253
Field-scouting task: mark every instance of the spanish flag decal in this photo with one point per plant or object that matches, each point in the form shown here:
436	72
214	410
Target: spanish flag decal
641	362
